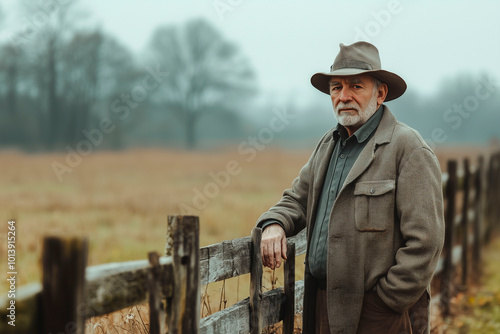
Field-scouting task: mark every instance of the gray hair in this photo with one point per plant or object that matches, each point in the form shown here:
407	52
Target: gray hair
377	83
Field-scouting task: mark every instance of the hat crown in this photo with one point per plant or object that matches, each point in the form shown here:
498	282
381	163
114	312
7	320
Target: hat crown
356	59
362	55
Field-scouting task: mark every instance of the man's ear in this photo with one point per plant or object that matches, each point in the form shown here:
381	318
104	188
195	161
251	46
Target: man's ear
382	93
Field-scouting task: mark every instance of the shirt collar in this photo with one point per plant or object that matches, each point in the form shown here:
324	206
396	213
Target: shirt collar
364	131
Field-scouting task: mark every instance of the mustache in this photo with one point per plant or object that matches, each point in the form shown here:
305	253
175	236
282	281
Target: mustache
342	105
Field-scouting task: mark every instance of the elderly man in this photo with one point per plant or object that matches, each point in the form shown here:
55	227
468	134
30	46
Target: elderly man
370	199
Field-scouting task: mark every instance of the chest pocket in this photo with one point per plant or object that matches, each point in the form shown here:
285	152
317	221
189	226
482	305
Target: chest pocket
374	205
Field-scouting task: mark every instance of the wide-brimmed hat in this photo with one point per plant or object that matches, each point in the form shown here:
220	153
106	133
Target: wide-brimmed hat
360	58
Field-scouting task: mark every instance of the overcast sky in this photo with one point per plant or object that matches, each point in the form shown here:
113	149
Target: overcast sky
289	40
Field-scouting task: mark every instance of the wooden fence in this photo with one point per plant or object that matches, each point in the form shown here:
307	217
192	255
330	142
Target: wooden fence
472	211
71	292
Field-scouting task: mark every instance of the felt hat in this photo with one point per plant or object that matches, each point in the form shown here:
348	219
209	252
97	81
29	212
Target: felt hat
360	58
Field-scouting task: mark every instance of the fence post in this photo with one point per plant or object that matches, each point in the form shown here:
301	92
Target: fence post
168	276
256	283
478	204
493	182
289	319
464	223
496	190
185	306
64	261
451	190
169	243
156	311
490	191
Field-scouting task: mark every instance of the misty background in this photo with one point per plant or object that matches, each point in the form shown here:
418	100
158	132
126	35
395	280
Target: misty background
210	74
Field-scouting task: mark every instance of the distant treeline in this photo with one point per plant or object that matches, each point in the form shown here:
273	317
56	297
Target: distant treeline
65	86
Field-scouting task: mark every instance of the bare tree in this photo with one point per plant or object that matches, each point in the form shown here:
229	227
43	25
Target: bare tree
80	61
207	73
10	68
18	95
73	70
95	68
53	26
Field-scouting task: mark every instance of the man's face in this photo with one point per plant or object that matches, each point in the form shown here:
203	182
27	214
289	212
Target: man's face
355	99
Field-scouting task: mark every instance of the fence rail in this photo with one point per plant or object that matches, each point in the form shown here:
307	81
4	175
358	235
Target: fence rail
171	284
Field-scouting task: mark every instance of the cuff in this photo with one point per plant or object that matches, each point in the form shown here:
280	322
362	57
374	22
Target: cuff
268	222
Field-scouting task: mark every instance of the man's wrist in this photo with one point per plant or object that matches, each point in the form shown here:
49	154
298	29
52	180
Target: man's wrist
269	222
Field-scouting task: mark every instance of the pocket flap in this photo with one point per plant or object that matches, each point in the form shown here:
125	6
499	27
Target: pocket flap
374	188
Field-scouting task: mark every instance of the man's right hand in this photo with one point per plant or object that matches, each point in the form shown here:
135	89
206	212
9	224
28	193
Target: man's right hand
273	246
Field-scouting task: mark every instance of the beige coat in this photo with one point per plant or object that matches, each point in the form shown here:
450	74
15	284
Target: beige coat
387	226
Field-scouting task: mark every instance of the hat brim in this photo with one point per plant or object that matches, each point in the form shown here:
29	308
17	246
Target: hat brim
395	84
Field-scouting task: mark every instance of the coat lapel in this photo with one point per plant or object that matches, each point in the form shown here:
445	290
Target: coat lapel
364	160
382	135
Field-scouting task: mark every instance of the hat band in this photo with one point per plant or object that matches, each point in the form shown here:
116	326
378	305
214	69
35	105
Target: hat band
348	63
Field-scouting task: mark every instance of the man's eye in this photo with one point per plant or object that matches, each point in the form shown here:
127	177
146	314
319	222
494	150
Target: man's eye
357	86
335	88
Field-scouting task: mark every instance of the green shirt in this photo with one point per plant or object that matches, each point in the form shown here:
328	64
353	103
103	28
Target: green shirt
344	155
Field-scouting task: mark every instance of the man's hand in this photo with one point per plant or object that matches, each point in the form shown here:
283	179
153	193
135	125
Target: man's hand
273	246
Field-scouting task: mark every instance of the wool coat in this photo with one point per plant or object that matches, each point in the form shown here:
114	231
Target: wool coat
386	228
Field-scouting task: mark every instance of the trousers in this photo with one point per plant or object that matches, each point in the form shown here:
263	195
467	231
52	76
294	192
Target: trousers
376	317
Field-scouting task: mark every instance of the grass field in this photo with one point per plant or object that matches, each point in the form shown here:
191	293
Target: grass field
477	311
120	201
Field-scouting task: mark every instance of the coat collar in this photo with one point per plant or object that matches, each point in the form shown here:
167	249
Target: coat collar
385	130
383	135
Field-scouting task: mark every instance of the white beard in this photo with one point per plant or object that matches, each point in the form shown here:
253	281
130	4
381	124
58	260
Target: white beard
350	119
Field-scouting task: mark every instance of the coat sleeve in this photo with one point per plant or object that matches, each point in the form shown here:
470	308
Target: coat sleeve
419	206
291	210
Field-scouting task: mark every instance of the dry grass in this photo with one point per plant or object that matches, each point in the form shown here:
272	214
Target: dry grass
120	201
130	320
477	311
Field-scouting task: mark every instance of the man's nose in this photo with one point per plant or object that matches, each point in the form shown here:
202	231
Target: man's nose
345	94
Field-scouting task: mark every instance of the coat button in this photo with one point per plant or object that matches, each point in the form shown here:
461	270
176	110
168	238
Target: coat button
372	191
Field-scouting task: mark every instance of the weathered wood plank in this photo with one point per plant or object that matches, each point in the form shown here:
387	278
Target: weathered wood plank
110	287
492	203
465	222
28	307
478	205
460	180
231	258
289	287
300	242
493	195
256	283
114	286
185	306
225	260
236	318
456	257
169	242
63	261
451	191
156	308
299	297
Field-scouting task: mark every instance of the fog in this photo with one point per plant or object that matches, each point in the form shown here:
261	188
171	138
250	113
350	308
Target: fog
208	74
